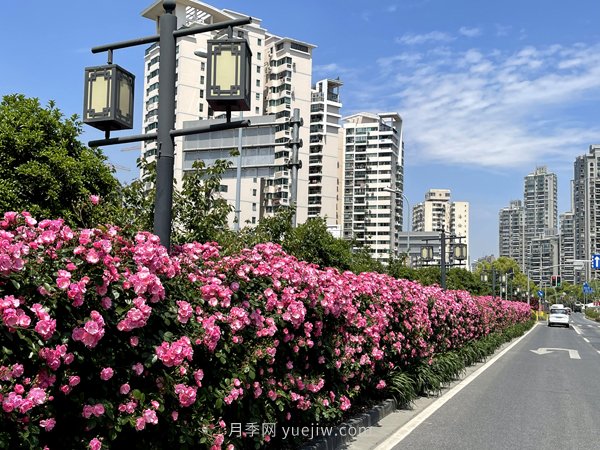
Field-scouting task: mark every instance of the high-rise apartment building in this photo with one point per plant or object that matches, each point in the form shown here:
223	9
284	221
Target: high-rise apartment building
281	82
511	230
567	247
586	212
438	213
324	190
540	208
373	158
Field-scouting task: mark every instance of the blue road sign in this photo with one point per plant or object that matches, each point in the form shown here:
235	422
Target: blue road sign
596	261
540	294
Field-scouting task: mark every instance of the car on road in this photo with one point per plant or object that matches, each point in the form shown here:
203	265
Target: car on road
558	316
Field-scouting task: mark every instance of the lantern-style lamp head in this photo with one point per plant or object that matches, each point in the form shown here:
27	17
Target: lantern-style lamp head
228	81
108	98
427	253
460	252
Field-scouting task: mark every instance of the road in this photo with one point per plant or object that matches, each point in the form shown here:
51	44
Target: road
543	392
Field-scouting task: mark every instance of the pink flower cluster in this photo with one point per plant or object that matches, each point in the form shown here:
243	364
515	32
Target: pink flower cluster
174	354
93	330
294	337
186	394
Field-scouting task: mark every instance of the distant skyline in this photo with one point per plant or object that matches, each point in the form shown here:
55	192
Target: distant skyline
488	91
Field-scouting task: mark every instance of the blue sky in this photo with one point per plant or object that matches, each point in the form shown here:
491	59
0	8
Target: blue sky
487	90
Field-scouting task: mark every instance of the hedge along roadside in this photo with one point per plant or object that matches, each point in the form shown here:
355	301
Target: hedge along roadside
108	342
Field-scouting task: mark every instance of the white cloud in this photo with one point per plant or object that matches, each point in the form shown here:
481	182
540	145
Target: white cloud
491	109
392	8
470	32
416	39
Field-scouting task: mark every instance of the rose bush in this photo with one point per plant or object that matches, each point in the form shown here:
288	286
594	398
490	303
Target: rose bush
109	342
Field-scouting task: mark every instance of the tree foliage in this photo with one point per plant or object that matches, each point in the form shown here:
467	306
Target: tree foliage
44	168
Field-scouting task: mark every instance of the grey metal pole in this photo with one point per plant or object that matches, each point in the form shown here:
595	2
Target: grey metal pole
408	230
296	122
166	122
443	260
238	182
493	282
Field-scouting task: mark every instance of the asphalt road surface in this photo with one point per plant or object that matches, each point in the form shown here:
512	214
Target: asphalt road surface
542	393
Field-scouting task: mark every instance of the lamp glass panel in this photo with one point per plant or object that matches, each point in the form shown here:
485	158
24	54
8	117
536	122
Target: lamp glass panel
99	92
124	96
224	64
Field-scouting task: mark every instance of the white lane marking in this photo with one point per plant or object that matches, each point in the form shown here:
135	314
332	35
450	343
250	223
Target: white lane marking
573	354
586	340
410	426
577	330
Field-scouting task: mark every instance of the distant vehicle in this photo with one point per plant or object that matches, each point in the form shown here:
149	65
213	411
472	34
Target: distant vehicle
558	315
577	306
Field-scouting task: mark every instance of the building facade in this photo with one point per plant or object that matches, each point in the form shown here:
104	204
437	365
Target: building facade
373	162
324	190
567	247
586	212
439	213
511	231
281	75
540	209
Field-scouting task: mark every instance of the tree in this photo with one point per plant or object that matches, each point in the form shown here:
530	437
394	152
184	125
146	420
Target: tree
44	169
200	213
312	242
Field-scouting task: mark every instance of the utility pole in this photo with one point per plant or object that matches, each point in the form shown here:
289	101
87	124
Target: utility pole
295	164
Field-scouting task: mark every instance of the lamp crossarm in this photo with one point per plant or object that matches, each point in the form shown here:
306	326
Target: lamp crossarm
174	133
177	33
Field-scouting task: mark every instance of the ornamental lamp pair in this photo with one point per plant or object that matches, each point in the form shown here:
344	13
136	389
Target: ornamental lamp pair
109	89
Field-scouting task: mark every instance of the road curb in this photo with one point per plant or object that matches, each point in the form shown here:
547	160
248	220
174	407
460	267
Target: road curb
344	433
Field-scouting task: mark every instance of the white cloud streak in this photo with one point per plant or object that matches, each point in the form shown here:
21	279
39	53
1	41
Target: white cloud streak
470	32
417	39
492	109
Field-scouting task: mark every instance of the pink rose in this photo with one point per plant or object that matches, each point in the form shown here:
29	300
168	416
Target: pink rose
48	424
106	373
95	444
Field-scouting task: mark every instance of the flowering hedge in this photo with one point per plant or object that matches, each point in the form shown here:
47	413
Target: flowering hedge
108	342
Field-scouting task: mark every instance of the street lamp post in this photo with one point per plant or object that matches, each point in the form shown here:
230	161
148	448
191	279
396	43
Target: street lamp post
459	253
409	226
484	278
108	103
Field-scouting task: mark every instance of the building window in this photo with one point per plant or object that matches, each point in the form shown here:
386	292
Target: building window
201	93
223	188
257	110
258	83
201	79
201	107
254	180
258	56
257	96
254	191
253	206
257	69
259	41
202	65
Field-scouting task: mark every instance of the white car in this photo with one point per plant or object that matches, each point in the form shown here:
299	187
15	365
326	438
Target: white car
558	316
